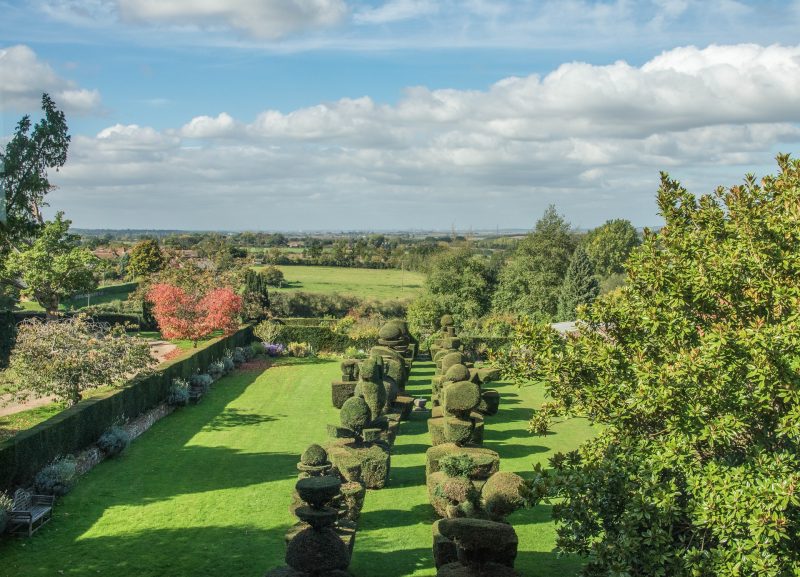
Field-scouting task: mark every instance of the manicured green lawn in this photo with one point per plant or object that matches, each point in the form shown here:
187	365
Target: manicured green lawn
205	492
380	284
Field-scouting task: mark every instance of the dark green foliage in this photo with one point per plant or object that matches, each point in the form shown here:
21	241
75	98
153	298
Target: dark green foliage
461	398
530	282
114	441
341	391
28	155
79	426
451	359
374	393
455	373
355	414
458	431
692	370
610	245
57	478
321	338
318	305
371	369
580	286
256	294
504	493
8	327
458	465
314	455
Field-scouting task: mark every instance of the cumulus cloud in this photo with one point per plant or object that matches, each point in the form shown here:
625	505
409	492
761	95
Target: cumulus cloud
210	127
267	19
587	136
25	77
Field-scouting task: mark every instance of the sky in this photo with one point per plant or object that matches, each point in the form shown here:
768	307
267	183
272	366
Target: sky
399	114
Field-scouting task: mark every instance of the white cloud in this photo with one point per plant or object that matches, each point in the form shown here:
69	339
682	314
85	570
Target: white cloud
396	10
209	127
25	77
593	137
266	19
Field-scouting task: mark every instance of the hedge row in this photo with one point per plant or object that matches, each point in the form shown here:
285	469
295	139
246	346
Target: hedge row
110	318
322	338
77	427
304	321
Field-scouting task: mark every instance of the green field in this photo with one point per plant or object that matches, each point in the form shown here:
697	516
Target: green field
379	284
205	492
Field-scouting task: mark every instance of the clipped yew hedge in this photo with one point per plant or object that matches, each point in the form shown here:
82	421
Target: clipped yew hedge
322	338
75	428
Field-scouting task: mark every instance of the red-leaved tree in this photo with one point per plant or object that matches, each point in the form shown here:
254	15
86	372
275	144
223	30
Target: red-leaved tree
186	315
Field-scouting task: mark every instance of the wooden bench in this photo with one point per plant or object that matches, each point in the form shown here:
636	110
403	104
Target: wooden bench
30	511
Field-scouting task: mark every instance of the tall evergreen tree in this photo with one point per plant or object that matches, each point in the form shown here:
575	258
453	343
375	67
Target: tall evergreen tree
580	286
529	283
256	295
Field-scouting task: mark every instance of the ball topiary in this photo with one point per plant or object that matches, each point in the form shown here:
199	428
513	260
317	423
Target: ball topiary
451	359
446	321
504	493
457	372
355	414
461	398
390	332
314	455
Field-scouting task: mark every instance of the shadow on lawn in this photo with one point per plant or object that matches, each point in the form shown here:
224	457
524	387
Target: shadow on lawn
188	551
230	418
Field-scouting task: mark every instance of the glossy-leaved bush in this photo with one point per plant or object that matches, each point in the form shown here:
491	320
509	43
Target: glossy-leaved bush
693	370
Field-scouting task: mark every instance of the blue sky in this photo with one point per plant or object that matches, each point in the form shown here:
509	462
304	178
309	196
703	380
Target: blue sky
327	114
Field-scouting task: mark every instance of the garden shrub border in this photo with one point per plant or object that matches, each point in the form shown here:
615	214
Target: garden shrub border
73	429
322	338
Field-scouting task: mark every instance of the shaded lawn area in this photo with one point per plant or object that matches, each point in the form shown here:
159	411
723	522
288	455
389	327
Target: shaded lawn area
206	491
377	284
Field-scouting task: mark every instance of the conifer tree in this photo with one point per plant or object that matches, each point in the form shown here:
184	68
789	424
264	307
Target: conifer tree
580	286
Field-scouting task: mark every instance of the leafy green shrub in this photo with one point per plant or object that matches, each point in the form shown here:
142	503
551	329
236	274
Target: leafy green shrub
178	395
296	349
256	349
248	353
267	331
114	441
355	414
352	352
458	465
57	478
227	362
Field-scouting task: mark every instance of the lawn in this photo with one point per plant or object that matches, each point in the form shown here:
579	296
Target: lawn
205	491
379	284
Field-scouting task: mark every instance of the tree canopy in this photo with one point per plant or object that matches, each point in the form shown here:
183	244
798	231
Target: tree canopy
693	369
609	246
68	356
54	267
31	152
146	258
530	282
580	287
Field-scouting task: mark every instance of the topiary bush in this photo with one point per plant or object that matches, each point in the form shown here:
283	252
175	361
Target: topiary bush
114	441
355	414
57	478
459	465
504	493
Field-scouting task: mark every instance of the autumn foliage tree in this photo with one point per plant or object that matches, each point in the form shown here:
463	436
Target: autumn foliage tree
185	314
